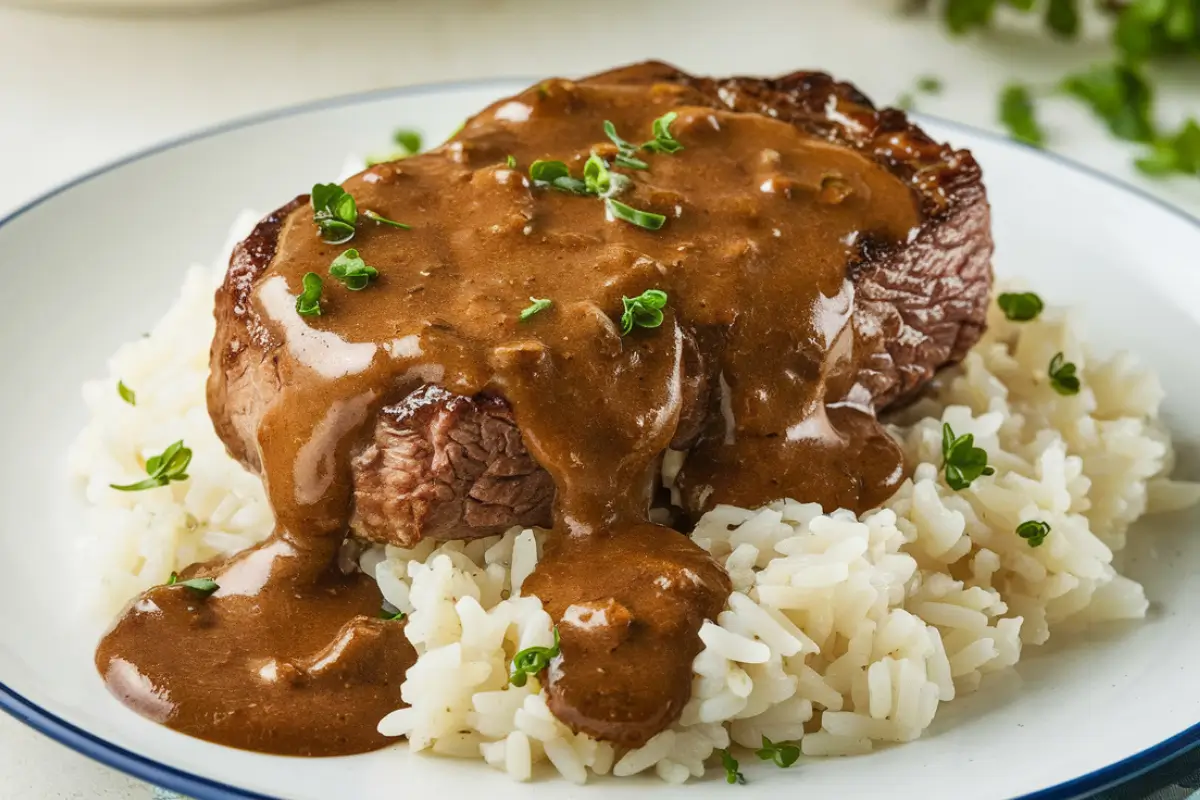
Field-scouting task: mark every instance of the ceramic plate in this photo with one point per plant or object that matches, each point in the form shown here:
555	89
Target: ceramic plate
95	263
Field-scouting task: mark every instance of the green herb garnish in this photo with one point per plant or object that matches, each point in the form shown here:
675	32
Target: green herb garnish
351	270
1062	375
204	586
374	217
663	141
1020	306
536	306
408	139
556	175
510	162
1119	95
308	302
390	617
531	661
643	311
963	461
1033	531
626	151
784	754
929	84
126	393
643	219
732	775
1018	115
334	211
170	465
1179	153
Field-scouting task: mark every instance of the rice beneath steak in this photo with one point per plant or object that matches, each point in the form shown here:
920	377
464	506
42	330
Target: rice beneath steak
842	632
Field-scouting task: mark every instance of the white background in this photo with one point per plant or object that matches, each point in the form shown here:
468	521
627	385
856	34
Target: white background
77	91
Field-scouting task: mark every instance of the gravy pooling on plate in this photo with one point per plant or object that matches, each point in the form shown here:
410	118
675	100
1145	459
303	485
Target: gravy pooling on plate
755	367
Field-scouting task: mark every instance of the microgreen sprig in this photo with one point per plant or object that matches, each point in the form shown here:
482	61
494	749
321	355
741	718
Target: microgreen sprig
963	461
531	661
170	465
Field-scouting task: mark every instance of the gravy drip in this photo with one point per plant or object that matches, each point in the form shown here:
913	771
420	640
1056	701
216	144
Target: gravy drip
762	223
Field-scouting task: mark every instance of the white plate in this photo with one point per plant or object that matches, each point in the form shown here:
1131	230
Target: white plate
96	262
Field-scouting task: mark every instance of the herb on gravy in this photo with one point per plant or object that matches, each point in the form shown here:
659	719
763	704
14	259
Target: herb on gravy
643	311
350	269
308	302
536	305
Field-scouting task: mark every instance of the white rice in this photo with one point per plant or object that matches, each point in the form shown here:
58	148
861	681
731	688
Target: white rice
842	633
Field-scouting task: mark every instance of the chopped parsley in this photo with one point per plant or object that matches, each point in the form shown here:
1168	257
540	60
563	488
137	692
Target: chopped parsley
1017	114
350	269
643	311
308	302
732	775
1033	531
1020	306
1178	153
169	465
784	754
963	461
126	393
204	586
334	212
531	661
664	141
536	306
1062	376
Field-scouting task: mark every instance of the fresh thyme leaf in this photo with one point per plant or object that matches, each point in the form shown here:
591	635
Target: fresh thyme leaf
204	586
643	219
664	141
126	393
169	465
531	661
410	140
350	269
510	162
1062	376
1033	531
1062	17
1118	94
334	212
536	305
784	754
375	217
1179	153
643	311
308	302
962	460
732	775
1017	113
1020	306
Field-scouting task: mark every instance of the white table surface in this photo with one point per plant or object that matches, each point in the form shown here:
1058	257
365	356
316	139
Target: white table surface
79	91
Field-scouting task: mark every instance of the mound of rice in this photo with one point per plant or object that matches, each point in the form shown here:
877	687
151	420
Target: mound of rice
842	632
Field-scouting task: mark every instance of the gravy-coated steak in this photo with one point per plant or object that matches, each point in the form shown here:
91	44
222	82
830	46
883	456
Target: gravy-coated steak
448	466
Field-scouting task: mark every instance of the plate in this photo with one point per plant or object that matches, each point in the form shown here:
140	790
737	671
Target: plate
96	262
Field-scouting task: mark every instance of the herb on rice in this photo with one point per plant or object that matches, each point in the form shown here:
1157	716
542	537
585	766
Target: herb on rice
1062	376
170	465
784	754
308	302
203	586
1020	306
963	461
126	393
732	775
536	306
531	661
1033	531
643	311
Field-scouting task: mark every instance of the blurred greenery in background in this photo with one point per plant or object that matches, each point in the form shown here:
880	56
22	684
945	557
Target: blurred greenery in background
1120	91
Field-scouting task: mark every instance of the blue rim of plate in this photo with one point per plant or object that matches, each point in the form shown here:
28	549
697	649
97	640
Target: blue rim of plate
202	788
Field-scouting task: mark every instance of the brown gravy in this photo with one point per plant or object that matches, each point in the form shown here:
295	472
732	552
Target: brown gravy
762	221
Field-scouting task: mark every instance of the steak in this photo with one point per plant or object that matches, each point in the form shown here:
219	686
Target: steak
446	466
